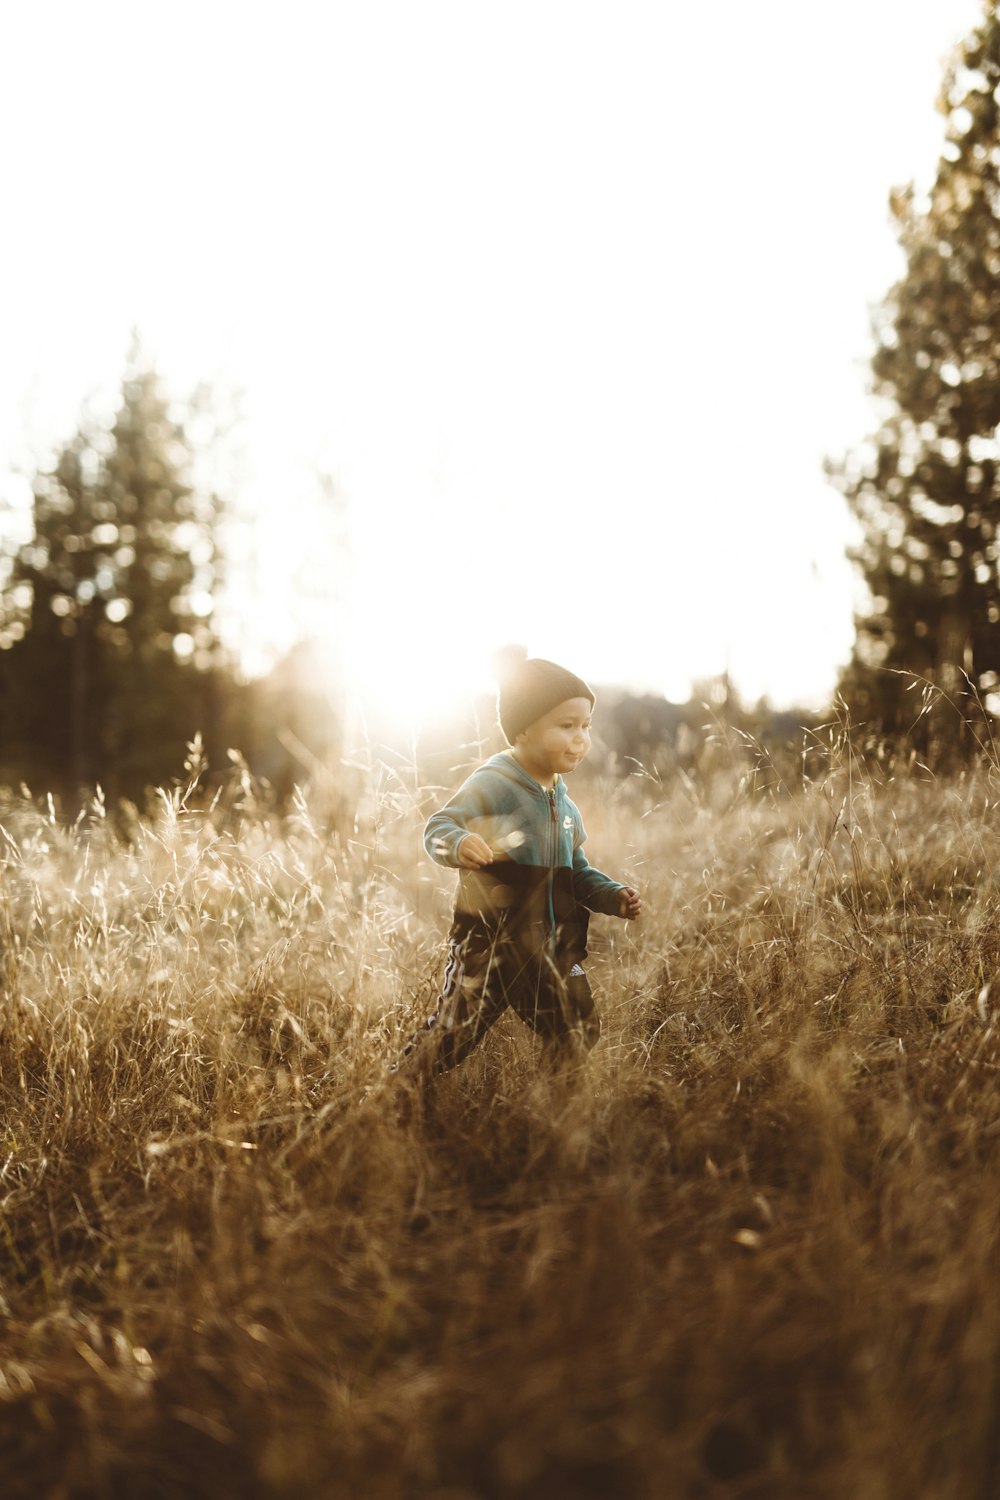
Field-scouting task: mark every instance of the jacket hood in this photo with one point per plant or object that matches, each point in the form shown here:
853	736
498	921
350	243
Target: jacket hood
507	763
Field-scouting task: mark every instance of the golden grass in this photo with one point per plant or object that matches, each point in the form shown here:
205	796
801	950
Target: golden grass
750	1249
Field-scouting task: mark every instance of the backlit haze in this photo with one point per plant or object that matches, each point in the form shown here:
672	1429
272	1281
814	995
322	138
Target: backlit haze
570	301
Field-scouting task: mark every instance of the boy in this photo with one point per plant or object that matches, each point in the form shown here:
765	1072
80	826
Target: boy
525	888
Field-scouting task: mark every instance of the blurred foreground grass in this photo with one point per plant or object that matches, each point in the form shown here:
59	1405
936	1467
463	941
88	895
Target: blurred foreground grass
751	1249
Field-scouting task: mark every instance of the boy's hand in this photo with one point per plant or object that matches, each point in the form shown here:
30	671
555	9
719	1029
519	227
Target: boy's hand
629	903
474	852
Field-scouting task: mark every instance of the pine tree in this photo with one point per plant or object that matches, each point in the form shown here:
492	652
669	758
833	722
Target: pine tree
927	490
111	663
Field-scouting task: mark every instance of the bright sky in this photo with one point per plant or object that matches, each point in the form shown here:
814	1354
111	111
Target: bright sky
570	298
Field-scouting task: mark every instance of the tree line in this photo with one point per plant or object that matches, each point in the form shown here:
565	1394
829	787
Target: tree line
111	653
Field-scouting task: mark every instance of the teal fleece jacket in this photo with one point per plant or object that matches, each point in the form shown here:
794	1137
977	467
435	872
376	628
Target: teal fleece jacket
540	873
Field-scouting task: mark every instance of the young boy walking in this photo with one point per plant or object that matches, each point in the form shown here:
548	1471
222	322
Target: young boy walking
525	888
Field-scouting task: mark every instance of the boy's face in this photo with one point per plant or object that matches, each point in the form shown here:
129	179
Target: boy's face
558	741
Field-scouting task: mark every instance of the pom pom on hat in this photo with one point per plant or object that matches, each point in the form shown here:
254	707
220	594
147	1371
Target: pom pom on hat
529	686
508	661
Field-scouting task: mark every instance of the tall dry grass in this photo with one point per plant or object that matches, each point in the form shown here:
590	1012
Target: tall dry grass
750	1249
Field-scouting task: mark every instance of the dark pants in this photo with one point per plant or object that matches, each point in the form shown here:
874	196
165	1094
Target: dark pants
481	981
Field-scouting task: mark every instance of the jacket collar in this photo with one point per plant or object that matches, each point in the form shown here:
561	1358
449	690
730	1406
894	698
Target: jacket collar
507	763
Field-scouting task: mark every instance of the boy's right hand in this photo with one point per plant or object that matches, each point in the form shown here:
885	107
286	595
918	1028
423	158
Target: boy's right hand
474	852
629	903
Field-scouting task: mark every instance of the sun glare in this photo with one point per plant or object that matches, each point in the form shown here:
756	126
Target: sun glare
393	679
404	675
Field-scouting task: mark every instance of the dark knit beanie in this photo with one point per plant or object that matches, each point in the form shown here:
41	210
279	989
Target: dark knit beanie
529	687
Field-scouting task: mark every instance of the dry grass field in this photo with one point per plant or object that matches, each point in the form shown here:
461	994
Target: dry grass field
751	1248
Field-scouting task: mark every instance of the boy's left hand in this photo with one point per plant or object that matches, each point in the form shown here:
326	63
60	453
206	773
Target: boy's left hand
629	903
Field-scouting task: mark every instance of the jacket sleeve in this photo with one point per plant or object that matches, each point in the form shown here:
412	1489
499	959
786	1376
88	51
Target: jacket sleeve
446	828
591	889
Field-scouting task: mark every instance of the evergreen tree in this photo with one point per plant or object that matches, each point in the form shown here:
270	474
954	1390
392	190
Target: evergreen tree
110	666
927	490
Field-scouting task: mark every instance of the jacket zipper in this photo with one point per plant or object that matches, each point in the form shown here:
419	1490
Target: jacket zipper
553	852
554	846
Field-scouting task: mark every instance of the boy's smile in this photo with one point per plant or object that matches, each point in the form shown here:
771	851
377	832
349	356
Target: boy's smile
557	742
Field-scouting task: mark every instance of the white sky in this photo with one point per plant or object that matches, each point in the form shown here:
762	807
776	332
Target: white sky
571	298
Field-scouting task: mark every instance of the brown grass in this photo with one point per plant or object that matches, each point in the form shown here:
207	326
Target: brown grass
751	1249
